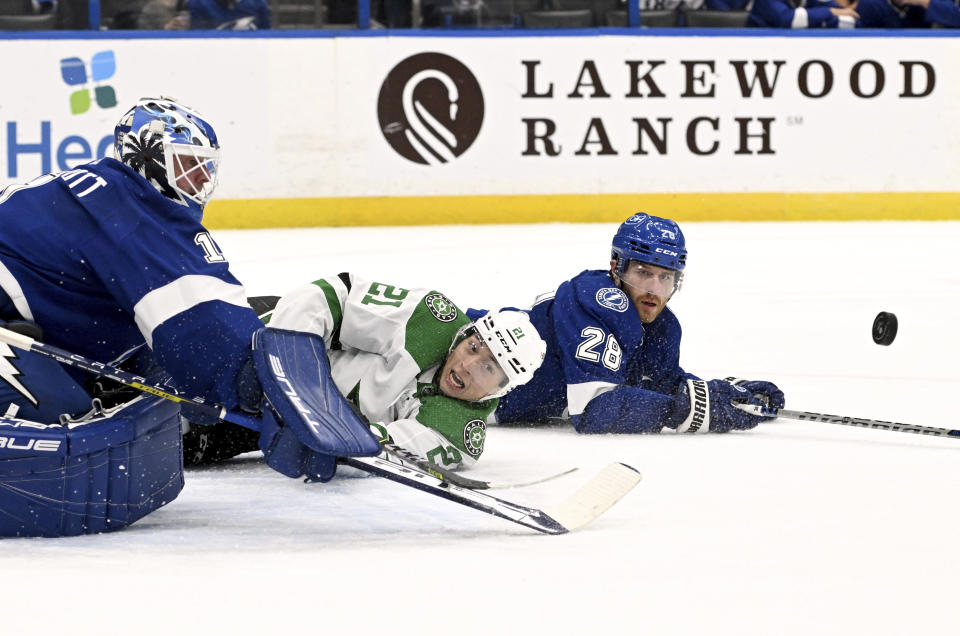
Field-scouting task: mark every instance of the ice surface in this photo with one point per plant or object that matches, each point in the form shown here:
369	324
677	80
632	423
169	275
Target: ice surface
793	528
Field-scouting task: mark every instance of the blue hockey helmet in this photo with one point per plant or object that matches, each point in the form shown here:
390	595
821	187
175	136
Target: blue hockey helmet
173	147
649	239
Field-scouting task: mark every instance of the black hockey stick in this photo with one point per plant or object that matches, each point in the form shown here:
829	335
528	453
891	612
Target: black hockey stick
27	343
806	416
585	505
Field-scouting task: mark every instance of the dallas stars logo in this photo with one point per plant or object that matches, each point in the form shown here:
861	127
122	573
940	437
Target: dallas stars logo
474	435
441	307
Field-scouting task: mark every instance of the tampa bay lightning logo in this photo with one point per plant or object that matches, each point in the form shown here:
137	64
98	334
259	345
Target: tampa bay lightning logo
613	298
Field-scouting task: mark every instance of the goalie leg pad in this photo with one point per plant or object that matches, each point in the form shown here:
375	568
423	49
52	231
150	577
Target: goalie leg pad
294	372
95	476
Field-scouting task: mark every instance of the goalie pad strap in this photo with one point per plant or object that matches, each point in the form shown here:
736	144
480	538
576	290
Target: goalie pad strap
294	372
698	419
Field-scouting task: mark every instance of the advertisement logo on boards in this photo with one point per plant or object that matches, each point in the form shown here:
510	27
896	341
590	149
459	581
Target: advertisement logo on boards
430	108
74	72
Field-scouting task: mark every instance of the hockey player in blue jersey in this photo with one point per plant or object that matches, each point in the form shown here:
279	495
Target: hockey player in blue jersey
102	260
111	255
613	349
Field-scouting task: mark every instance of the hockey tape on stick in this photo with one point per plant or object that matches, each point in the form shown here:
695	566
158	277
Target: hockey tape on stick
844	420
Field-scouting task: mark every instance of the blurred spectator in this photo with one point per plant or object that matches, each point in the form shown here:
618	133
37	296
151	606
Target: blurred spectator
729	5
229	14
669	5
908	14
120	14
801	14
163	14
396	13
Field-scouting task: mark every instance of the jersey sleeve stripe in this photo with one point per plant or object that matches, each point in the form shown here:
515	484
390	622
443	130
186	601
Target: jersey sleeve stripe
175	297
336	311
579	395
12	289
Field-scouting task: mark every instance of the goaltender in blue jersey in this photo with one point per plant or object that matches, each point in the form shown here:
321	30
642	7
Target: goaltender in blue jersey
111	257
613	349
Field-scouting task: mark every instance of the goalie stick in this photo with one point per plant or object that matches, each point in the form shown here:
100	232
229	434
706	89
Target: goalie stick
582	507
849	421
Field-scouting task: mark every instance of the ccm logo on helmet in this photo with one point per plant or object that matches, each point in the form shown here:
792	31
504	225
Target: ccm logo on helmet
43	445
667	252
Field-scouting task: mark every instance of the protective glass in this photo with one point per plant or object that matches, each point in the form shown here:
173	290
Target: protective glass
651	279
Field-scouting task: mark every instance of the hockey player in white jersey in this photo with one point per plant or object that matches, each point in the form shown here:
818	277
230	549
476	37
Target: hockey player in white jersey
416	367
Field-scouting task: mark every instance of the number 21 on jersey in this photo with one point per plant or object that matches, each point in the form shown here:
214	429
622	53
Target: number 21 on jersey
380	294
590	349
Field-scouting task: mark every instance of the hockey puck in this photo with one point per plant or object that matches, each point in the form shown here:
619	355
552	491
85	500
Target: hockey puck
884	328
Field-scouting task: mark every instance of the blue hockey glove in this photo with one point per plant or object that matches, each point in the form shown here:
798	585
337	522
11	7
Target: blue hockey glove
284	452
708	407
768	393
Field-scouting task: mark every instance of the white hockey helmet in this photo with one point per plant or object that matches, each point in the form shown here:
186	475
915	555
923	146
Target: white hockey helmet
515	345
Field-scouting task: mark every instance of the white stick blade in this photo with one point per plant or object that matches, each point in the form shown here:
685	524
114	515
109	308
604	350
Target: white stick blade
596	496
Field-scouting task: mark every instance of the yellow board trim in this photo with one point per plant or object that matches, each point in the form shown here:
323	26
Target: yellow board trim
581	208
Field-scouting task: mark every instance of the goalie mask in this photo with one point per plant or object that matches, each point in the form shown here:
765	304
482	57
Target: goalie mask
513	344
172	147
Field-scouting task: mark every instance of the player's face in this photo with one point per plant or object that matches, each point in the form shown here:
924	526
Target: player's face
191	173
648	286
471	373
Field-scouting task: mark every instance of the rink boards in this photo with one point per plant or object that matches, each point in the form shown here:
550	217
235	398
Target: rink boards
492	127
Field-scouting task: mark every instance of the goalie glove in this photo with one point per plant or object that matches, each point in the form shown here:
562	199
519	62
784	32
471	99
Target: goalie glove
284	452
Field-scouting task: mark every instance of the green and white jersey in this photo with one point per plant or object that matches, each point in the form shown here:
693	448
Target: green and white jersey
386	345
